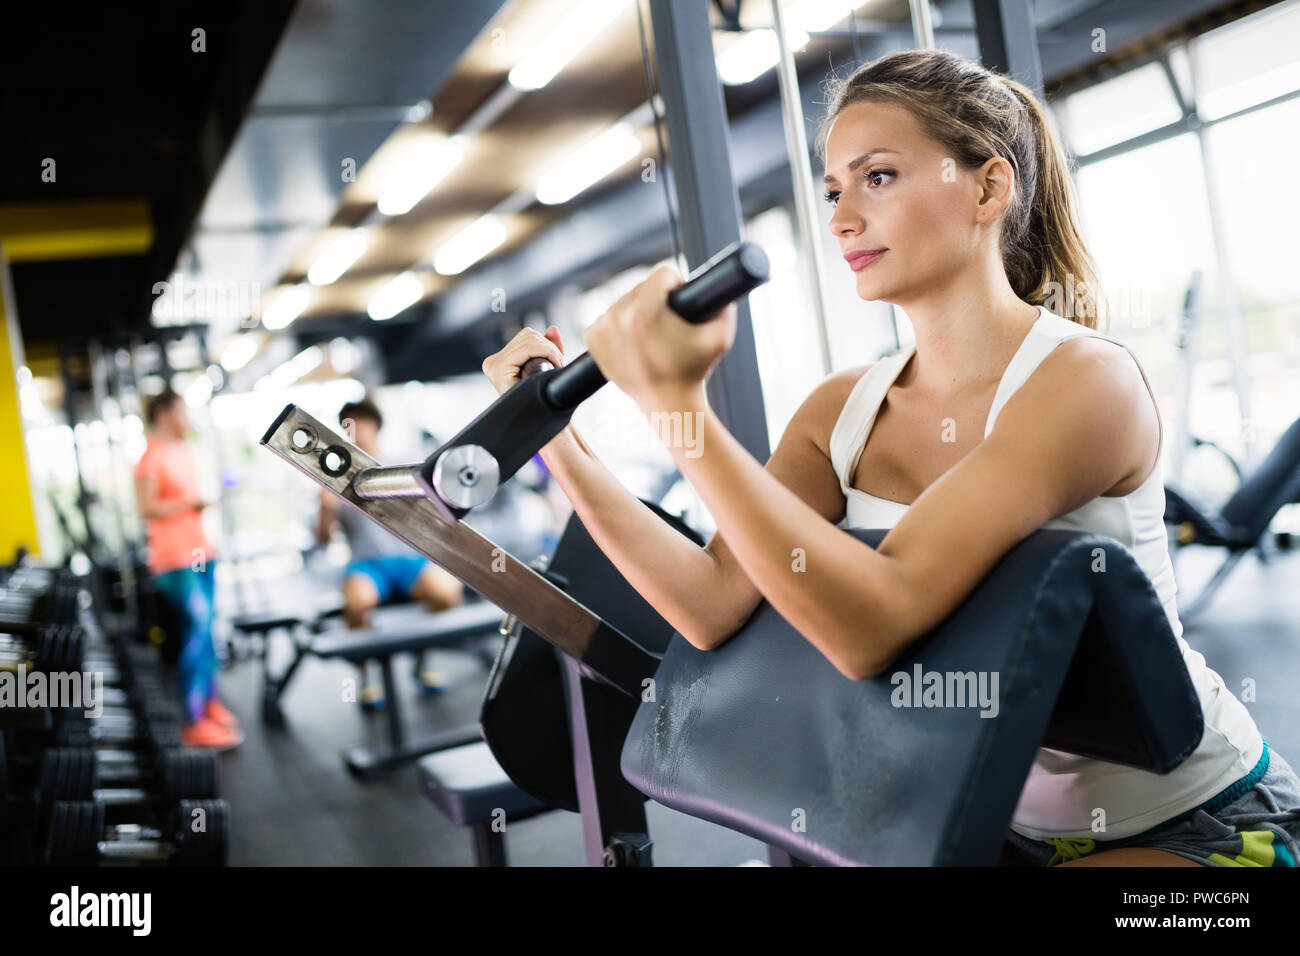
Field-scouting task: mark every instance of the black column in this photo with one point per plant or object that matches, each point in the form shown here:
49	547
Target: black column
1008	41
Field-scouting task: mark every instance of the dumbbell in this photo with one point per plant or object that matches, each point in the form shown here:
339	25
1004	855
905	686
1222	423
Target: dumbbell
77	835
50	648
120	777
60	604
156	728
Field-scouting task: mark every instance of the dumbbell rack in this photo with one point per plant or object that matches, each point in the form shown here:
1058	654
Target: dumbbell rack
113	788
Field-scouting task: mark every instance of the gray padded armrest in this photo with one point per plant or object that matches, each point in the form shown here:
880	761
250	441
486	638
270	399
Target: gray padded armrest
763	734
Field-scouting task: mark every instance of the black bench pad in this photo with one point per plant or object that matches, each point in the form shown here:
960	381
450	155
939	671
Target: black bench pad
764	736
468	785
445	627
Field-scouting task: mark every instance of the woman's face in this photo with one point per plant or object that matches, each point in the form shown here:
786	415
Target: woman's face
894	188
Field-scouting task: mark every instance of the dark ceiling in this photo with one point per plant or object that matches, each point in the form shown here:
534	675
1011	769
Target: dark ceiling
116	95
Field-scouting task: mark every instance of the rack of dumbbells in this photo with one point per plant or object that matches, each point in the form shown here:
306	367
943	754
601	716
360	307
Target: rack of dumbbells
104	781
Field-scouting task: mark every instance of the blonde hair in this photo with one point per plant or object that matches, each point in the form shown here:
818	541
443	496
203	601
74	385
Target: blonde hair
976	114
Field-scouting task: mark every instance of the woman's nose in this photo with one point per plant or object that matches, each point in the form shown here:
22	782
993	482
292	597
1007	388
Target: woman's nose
844	223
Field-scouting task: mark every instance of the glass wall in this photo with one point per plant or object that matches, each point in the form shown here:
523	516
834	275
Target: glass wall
1216	200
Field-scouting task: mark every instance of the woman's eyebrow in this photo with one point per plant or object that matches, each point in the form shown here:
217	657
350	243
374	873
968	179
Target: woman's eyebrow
855	163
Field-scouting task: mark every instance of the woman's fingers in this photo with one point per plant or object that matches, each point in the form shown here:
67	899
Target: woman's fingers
502	368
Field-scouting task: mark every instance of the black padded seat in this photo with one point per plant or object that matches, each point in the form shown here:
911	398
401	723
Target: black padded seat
431	630
263	621
470	788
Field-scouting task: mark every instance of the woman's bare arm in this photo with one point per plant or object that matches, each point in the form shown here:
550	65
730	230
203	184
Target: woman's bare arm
701	591
1081	425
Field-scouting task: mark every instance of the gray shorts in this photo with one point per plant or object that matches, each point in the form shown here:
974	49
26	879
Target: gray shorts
1259	828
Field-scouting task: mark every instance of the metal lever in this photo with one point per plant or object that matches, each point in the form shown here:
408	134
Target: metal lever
466	471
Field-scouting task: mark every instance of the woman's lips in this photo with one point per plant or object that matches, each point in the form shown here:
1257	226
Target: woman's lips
859	259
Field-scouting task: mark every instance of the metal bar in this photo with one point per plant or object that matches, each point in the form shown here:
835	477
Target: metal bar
607	803
490	570
78	453
395	481
706	193
1234	323
805	200
922	25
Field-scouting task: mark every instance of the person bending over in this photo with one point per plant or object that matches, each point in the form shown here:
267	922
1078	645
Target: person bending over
182	560
1011	412
383	569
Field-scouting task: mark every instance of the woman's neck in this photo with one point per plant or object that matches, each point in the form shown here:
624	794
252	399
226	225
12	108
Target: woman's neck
966	334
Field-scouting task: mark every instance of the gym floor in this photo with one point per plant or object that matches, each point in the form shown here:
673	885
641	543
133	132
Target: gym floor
294	804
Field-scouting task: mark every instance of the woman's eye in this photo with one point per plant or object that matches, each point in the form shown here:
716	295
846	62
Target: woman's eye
833	197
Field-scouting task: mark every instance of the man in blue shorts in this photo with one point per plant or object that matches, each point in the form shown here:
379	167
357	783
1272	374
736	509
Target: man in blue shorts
383	569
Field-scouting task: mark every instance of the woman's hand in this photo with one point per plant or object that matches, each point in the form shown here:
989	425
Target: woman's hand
651	352
502	368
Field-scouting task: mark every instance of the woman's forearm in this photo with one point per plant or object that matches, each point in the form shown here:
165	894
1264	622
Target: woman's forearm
165	509
687	584
827	584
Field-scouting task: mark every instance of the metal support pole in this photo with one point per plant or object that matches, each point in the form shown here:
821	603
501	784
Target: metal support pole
805	201
1234	323
707	199
106	360
922	27
78	453
1008	42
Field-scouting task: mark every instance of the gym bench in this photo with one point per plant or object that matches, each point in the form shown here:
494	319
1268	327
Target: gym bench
451	627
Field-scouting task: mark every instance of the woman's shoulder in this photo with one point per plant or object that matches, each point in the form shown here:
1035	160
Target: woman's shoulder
820	410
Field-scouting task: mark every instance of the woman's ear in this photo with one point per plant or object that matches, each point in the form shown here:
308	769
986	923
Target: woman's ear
996	180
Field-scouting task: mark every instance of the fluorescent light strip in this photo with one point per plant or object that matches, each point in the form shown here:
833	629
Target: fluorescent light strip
754	54
304	362
286	307
239	353
398	294
338	257
816	16
578	28
469	245
423	167
589	164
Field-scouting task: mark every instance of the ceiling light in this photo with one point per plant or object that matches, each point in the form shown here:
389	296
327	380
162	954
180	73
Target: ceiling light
754	54
565	41
200	390
589	164
338	257
816	16
469	245
305	361
239	352
422	167
344	356
400	293
285	307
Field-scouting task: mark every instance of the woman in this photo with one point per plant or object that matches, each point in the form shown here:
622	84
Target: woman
181	560
952	200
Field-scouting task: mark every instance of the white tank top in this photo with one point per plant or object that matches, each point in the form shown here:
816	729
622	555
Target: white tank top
1063	790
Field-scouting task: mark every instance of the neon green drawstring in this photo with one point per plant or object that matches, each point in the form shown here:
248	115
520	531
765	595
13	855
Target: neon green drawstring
1069	849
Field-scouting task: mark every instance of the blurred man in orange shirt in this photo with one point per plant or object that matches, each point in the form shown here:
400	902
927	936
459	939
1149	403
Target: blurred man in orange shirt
180	557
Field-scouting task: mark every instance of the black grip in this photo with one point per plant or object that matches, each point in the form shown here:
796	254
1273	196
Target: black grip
735	271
